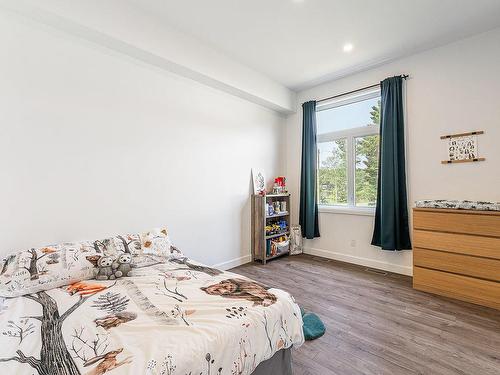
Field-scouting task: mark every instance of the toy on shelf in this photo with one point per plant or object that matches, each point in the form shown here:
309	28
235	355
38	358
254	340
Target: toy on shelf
283	225
279	245
276	208
269	209
279	185
272	229
275	228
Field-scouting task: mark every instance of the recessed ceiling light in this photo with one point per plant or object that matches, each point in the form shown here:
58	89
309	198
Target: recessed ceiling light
348	47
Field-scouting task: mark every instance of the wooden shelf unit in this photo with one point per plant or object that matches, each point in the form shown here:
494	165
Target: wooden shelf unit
260	219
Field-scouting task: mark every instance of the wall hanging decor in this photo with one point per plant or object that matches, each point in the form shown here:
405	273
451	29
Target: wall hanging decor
462	147
259	182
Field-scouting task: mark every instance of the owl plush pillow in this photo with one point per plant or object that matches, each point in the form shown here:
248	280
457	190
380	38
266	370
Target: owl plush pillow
157	242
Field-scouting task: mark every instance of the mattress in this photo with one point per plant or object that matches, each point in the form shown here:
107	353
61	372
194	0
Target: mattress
177	317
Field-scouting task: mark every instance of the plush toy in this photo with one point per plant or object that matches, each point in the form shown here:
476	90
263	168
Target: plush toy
122	265
105	272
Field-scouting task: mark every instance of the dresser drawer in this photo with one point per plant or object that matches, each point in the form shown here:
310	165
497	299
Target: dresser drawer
467	222
483	268
488	247
482	292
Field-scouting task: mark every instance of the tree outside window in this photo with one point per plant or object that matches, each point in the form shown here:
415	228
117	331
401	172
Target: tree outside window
348	157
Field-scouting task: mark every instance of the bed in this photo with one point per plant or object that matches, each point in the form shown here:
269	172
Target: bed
167	318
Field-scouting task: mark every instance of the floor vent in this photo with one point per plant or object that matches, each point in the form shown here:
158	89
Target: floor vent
378	272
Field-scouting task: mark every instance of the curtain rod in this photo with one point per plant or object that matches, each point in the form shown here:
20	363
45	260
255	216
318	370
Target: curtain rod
404	76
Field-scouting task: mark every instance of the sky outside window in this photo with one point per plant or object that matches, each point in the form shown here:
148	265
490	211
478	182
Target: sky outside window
346	117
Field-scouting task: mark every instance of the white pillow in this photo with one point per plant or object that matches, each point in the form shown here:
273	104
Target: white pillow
48	267
53	266
157	242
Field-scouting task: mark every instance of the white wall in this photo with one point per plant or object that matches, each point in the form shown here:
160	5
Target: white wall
93	143
451	89
122	25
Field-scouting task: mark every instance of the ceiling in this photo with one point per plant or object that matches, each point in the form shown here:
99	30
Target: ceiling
299	43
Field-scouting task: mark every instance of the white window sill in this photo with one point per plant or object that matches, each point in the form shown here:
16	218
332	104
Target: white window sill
362	211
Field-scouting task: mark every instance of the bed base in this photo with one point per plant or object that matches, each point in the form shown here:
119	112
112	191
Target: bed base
279	364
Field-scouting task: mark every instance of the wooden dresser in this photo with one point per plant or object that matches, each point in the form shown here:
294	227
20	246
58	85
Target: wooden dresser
456	253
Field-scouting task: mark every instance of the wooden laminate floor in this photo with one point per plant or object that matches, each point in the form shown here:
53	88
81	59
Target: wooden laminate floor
378	324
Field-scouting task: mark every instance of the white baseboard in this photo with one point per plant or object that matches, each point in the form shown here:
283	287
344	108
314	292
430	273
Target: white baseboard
404	270
233	262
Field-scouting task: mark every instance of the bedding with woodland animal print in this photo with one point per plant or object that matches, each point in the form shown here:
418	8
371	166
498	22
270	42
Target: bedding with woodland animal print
177	317
52	266
47	267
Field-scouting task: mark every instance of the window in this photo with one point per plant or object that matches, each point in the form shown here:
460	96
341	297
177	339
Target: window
348	143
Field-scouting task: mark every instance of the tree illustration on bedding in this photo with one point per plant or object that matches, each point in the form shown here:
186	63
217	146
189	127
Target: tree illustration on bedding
245	360
167	367
83	344
265	322
195	267
285	339
114	304
20	330
111	302
53	258
32	266
6	262
180	313
163	288
91	349
131	241
55	358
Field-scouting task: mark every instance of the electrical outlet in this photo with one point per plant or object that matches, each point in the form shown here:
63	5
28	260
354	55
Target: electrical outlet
353	243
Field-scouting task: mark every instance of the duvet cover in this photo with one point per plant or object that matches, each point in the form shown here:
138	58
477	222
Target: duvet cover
172	318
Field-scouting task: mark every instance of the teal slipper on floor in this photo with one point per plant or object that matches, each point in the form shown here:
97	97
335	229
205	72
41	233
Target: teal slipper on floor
313	326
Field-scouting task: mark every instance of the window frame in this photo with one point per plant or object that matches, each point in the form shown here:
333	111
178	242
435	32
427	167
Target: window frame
350	135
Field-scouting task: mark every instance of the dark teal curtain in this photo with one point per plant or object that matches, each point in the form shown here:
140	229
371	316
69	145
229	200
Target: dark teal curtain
391	215
308	215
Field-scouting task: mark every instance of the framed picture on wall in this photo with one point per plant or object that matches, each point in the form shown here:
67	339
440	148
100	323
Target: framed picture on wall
259	181
462	147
